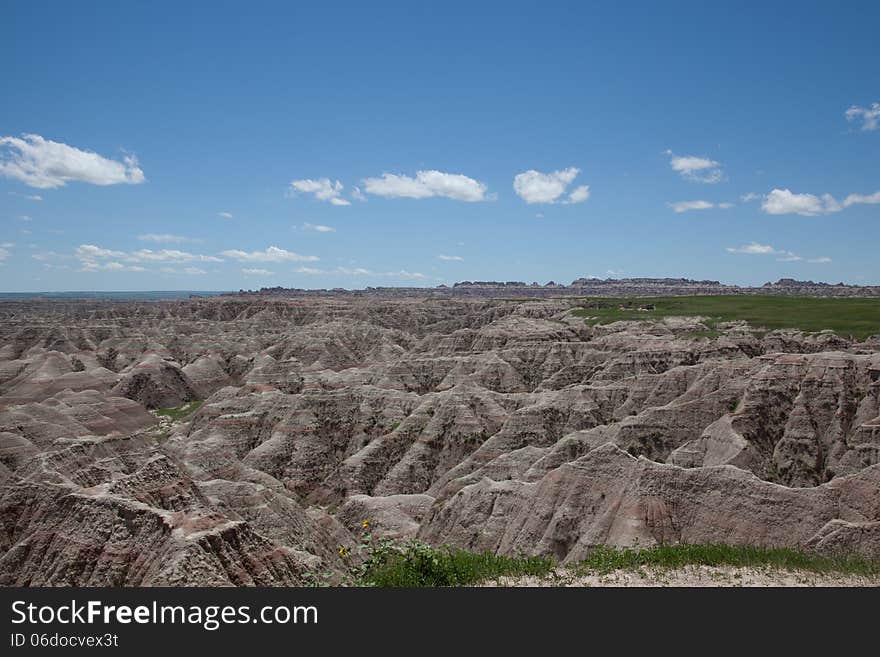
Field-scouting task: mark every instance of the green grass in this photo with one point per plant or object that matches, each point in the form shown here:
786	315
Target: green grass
419	565
709	333
180	412
849	317
608	559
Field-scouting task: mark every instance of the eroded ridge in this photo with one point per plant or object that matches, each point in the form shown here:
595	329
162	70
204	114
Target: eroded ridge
500	424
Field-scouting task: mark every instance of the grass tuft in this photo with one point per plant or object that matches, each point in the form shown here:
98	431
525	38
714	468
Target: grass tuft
607	559
415	564
180	412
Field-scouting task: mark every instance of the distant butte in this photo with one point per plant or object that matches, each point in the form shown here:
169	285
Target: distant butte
613	287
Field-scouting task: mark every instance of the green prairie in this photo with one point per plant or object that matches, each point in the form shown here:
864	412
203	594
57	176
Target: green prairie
419	565
857	318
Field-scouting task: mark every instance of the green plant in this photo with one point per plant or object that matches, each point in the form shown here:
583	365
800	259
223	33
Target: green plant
178	413
318	579
604	559
412	563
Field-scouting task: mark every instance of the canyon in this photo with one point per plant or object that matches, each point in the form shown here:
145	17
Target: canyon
477	419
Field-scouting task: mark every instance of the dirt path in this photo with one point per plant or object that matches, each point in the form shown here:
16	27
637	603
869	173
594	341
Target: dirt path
690	576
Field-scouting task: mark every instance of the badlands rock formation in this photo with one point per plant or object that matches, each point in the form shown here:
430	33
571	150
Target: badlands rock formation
505	425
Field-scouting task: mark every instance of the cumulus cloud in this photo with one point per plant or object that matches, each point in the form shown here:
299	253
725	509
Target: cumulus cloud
783	255
755	249
696	169
91	266
46	164
450	258
318	228
225	215
256	272
751	196
685	206
361	271
427	184
784	201
163	238
537	187
853	199
788	256
358	195
96	258
869	116
92	252
322	189
170	255
189	271
271	254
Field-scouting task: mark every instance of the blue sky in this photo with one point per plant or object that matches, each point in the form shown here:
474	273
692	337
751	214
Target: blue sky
226	146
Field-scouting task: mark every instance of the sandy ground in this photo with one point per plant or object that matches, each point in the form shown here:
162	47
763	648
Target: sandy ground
690	576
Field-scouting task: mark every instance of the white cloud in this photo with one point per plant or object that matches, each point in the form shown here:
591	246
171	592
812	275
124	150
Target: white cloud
322	189
24	217
788	256
4	250
755	249
96	258
360	271
450	258
91	266
92	252
46	164
189	271
783	201
765	249
696	169
537	187
579	195
163	238
225	215
271	254
170	255
256	272
685	206
852	199
29	197
870	116
358	195
318	228
751	196
427	184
